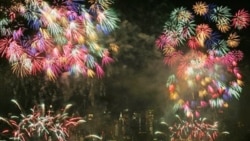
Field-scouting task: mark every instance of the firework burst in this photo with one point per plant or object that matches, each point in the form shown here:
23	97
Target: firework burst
40	124
38	37
205	68
209	69
198	129
200	8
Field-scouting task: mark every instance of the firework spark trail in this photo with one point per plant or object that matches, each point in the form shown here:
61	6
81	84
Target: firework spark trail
62	37
41	124
200	129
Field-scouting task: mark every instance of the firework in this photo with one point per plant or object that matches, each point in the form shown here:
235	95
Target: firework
40	124
241	19
233	40
62	37
200	8
198	129
206	73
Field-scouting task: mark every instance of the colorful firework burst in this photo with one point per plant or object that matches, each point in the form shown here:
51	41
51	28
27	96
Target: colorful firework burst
205	67
61	36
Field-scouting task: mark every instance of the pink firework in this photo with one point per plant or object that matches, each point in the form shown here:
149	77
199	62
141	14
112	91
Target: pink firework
193	43
203	31
173	58
241	19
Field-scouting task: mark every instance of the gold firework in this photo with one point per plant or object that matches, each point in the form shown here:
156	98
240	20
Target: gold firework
233	40
200	8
